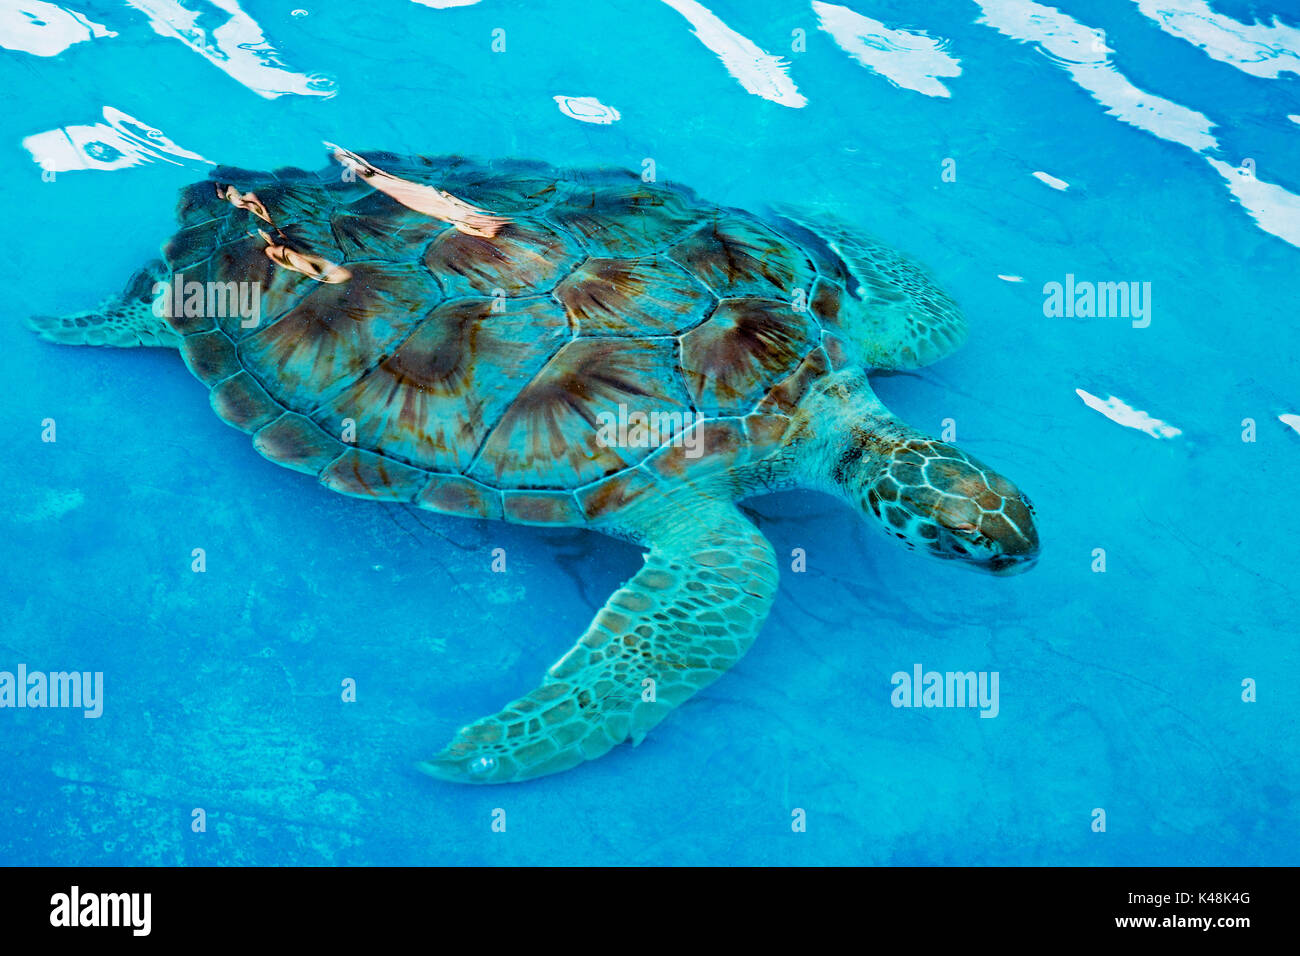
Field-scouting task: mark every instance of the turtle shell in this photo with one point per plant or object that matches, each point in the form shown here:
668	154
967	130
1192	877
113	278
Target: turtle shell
484	376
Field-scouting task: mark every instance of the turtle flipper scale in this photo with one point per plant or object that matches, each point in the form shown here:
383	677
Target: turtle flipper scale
897	318
682	621
124	321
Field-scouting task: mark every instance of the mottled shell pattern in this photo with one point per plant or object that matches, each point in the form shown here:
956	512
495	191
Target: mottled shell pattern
400	357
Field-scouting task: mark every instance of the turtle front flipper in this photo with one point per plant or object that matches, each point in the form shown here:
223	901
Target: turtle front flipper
124	321
674	628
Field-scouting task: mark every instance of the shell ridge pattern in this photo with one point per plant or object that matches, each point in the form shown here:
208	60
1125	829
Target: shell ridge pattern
576	251
490	430
395	346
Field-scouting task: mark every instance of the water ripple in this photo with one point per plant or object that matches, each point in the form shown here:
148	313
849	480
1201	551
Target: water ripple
914	61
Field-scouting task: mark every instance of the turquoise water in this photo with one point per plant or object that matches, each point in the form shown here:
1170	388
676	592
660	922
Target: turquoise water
1119	690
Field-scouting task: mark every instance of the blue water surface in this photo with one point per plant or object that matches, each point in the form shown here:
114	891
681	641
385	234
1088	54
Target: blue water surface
1120	690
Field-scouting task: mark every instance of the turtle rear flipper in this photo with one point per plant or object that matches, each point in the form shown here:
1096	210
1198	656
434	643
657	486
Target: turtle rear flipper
898	318
124	321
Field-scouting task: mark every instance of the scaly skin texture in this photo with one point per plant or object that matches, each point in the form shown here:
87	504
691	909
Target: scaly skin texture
673	629
122	321
930	495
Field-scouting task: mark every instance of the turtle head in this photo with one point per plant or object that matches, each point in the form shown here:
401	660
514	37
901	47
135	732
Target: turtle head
936	498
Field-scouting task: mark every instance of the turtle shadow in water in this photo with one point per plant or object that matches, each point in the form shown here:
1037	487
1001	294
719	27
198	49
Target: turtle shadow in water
598	564
595	563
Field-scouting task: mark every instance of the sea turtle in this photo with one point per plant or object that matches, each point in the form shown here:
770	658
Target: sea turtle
559	347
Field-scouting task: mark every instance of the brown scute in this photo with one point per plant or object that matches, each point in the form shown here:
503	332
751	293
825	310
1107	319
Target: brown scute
246	261
312	238
296	442
438	356
242	262
624	219
551	434
364	474
524	257
379	227
286	203
721	444
337	331
210	356
836	351
1002	486
542	507
243	403
199	202
746	347
786	395
432	401
826	301
614	493
735	256
646	296
765	433
194	244
513	191
454	495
